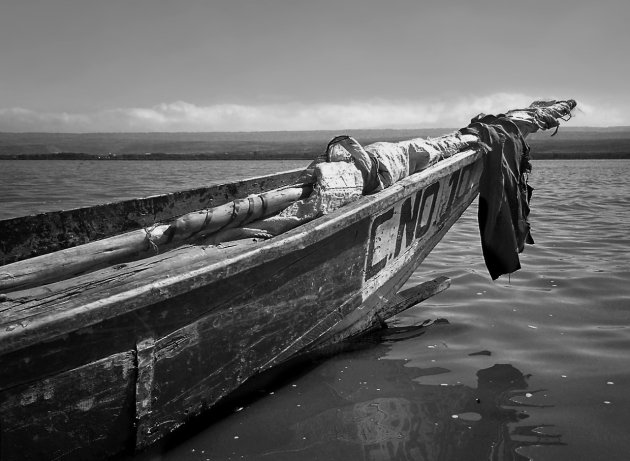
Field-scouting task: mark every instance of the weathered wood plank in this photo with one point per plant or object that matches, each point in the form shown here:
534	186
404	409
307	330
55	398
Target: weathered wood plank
29	309
162	318
397	303
30	236
202	362
145	384
83	413
411	296
284	322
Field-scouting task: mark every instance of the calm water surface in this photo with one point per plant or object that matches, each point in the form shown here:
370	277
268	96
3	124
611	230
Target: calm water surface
34	186
532	366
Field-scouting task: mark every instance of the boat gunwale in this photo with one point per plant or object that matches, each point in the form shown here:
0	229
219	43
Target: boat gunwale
153	197
48	325
134	209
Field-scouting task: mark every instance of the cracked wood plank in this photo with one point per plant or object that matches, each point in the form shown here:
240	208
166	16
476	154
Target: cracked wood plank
22	310
144	388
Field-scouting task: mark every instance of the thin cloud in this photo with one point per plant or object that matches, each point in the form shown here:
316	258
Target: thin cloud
184	116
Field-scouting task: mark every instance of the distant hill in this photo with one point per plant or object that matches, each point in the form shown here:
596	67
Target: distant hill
582	142
570	142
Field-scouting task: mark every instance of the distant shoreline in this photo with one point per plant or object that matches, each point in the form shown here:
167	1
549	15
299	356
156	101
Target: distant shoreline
571	144
159	156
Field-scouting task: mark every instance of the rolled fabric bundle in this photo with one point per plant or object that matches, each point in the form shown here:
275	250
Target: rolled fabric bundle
345	147
336	184
393	162
541	115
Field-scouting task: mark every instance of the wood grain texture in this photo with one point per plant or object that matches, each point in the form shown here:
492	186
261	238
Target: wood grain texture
397	303
145	382
205	360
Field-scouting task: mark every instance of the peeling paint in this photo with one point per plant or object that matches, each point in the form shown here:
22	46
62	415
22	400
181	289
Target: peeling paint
28	397
85	404
49	391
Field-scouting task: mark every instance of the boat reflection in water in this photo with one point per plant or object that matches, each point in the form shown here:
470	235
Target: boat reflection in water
361	406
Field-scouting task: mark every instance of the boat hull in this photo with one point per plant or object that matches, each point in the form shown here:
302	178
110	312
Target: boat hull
125	363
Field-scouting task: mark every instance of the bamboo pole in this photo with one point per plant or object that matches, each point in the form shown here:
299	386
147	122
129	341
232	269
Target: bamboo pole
132	245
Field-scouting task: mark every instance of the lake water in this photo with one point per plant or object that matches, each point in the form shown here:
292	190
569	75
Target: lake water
34	186
532	366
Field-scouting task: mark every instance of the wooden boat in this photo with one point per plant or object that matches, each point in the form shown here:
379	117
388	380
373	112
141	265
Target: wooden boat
114	359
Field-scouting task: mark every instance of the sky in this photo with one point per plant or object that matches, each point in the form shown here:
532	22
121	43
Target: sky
257	65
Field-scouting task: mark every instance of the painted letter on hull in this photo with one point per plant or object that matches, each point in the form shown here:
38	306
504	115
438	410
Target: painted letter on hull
414	219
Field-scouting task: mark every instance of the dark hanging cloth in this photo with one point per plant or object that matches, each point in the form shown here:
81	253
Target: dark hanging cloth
504	194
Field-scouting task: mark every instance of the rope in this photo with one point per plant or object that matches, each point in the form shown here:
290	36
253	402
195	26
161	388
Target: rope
149	238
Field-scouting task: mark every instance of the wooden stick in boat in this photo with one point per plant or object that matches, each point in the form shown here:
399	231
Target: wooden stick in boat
94	255
230	215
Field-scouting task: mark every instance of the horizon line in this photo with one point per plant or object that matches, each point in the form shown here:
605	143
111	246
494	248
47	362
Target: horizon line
565	127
